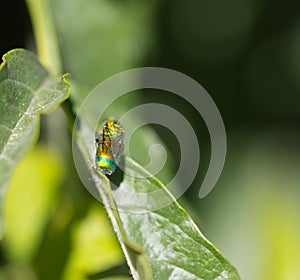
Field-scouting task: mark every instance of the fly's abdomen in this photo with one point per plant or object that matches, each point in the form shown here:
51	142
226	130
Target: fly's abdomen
106	164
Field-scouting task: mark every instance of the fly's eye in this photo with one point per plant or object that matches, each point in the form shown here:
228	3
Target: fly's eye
97	140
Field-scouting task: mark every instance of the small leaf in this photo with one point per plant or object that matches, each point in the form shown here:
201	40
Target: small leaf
26	91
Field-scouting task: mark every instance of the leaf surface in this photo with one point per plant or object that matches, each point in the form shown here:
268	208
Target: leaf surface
164	239
26	92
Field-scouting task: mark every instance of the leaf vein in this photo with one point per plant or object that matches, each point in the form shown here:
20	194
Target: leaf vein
26	113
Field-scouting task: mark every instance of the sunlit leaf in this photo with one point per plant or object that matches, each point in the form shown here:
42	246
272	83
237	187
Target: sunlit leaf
26	91
166	239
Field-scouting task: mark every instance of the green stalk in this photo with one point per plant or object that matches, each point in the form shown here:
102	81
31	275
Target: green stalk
45	34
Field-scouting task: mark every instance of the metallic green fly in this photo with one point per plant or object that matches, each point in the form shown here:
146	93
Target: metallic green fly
109	138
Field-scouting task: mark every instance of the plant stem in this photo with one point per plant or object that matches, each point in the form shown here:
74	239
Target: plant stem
41	16
45	34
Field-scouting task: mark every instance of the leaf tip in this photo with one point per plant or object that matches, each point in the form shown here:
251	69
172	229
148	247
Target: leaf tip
66	82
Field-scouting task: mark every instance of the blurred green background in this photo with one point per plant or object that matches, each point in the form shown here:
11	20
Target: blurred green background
246	55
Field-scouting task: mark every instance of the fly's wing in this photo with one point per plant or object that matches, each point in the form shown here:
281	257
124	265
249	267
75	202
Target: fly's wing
110	137
99	132
117	146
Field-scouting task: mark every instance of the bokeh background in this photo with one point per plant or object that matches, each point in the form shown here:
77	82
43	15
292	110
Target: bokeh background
246	55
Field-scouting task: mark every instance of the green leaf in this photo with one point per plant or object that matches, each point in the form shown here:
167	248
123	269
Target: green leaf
31	195
162	243
26	91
